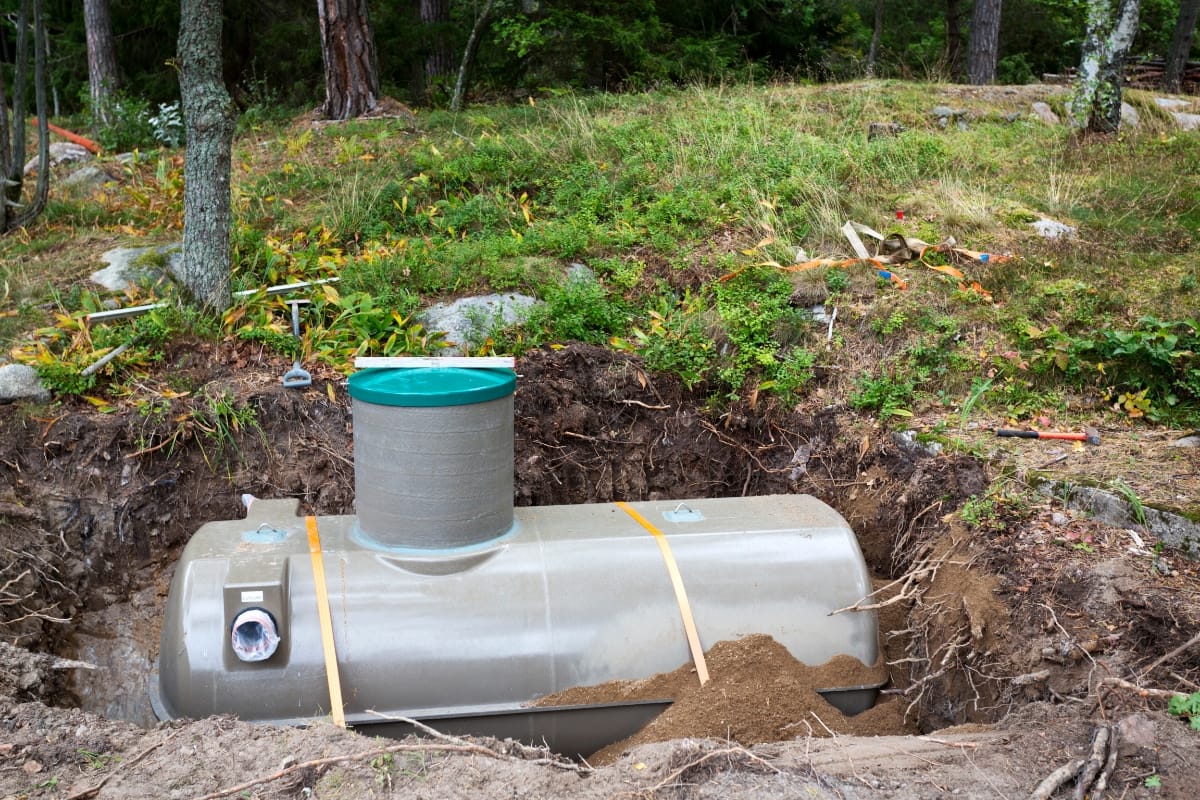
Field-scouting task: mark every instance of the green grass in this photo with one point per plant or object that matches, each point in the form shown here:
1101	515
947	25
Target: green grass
665	192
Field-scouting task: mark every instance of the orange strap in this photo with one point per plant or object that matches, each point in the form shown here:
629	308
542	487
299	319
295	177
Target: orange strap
322	591
685	608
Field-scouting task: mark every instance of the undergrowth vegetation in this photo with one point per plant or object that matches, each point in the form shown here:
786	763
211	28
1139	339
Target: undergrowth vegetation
671	224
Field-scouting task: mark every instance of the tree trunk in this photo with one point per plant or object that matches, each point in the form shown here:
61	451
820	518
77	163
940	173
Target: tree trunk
983	48
37	203
439	60
1181	44
102	58
209	119
468	54
954	39
1095	103
351	68
876	35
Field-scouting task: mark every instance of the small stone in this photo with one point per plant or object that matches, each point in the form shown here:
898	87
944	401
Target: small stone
21	382
1059	518
28	680
1129	115
1045	113
1052	229
942	111
1136	731
1191	440
1170	103
884	130
32	767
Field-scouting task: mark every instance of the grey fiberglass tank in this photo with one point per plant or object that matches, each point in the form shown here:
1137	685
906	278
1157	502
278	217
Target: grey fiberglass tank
463	626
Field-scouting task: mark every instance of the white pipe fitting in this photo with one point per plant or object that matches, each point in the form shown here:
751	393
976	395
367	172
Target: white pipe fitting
254	635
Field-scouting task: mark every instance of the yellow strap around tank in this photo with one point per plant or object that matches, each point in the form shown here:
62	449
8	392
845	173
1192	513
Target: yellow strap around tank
685	608
326	620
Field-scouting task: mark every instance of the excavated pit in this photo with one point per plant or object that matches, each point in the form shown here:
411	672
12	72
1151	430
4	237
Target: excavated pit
98	507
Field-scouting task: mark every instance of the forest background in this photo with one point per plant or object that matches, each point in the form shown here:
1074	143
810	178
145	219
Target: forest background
272	56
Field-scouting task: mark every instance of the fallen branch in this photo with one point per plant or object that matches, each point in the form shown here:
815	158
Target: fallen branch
1055	780
1095	762
1163	694
14	511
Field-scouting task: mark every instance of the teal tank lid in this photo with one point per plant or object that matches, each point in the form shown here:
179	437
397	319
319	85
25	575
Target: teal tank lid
431	387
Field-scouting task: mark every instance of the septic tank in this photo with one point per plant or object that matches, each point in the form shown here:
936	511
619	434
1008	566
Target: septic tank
445	604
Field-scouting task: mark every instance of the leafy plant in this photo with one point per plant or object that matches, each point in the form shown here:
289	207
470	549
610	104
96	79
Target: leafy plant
886	394
1186	706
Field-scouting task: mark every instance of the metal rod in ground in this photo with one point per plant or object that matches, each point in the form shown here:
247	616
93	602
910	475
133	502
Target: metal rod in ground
107	357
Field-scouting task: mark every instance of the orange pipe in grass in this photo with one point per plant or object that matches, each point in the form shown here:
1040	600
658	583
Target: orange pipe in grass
82	141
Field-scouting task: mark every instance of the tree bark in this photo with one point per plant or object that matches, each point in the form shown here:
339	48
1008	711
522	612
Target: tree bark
954	39
876	35
209	119
469	54
1095	103
102	57
351	67
37	203
983	47
1181	44
439	60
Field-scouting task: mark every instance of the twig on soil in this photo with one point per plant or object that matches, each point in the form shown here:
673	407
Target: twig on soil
643	405
1052	782
909	583
15	511
124	765
731	751
1168	656
530	755
1162	694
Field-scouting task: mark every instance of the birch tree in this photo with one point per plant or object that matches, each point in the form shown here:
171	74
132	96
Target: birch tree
1095	103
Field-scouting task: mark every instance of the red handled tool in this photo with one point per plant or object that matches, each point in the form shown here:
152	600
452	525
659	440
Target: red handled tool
1090	435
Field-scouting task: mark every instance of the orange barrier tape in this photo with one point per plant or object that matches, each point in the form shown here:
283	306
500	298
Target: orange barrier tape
326	620
685	608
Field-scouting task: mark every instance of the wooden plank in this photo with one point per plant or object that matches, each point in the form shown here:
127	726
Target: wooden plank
411	362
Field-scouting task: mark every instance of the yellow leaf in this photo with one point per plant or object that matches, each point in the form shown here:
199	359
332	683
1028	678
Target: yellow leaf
639	765
435	151
98	402
331	294
329	391
531	101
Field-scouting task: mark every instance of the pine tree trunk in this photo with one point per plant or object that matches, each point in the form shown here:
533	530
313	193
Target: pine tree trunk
439	60
209	119
14	132
1095	103
876	35
37	203
102	57
1181	44
983	47
954	39
351	68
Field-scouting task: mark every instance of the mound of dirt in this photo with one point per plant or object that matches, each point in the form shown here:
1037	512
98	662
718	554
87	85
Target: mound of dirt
757	692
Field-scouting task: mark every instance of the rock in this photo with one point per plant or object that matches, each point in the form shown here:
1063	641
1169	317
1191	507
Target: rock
1045	113
1129	115
61	153
907	440
21	382
1188	122
1191	440
1171	529
943	111
1136	731
945	115
1172	103
580	272
1052	229
469	320
132	265
86	179
884	130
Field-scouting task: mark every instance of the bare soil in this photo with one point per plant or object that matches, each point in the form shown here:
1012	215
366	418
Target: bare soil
1014	631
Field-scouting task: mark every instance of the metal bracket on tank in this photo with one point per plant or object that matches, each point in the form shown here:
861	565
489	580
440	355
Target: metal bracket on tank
683	513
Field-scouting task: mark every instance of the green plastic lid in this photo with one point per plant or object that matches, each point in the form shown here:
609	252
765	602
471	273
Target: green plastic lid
428	387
